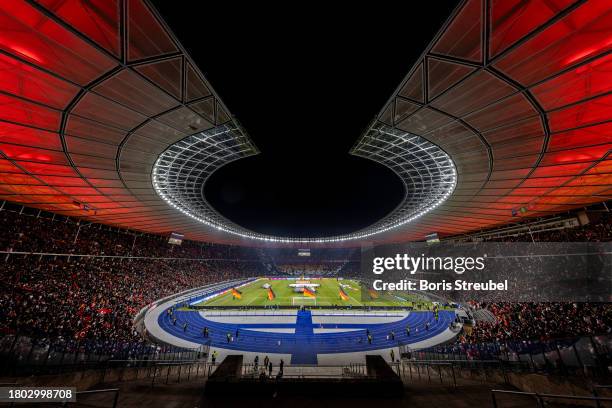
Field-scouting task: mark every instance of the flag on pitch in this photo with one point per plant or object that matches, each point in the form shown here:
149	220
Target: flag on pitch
271	294
343	294
309	292
373	293
236	293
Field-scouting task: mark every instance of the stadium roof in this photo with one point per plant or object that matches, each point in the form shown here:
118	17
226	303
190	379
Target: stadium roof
513	96
518	93
428	173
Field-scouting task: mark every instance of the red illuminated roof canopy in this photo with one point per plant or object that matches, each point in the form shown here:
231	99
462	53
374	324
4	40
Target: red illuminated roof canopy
91	92
519	95
517	92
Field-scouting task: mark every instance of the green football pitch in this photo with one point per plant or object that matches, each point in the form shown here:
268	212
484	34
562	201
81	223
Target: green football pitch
327	294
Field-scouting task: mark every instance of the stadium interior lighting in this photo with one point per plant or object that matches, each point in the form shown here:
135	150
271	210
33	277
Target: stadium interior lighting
428	174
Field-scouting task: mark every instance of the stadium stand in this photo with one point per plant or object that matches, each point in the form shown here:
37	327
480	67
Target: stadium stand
596	227
318	261
95	297
41	232
87	294
541	321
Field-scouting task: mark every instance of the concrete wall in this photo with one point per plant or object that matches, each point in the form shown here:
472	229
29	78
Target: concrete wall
86	379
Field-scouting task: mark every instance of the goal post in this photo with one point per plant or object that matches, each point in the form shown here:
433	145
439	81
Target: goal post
303	301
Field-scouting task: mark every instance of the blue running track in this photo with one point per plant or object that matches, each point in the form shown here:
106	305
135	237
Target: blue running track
304	344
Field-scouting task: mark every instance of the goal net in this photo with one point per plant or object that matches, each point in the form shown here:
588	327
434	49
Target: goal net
303	301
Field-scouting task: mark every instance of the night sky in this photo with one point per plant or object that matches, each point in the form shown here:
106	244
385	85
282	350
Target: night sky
305	82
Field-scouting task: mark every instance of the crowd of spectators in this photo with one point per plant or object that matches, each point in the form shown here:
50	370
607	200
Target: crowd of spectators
351	269
61	235
310	268
97	298
599	229
86	298
540	321
317	262
548	320
290	255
